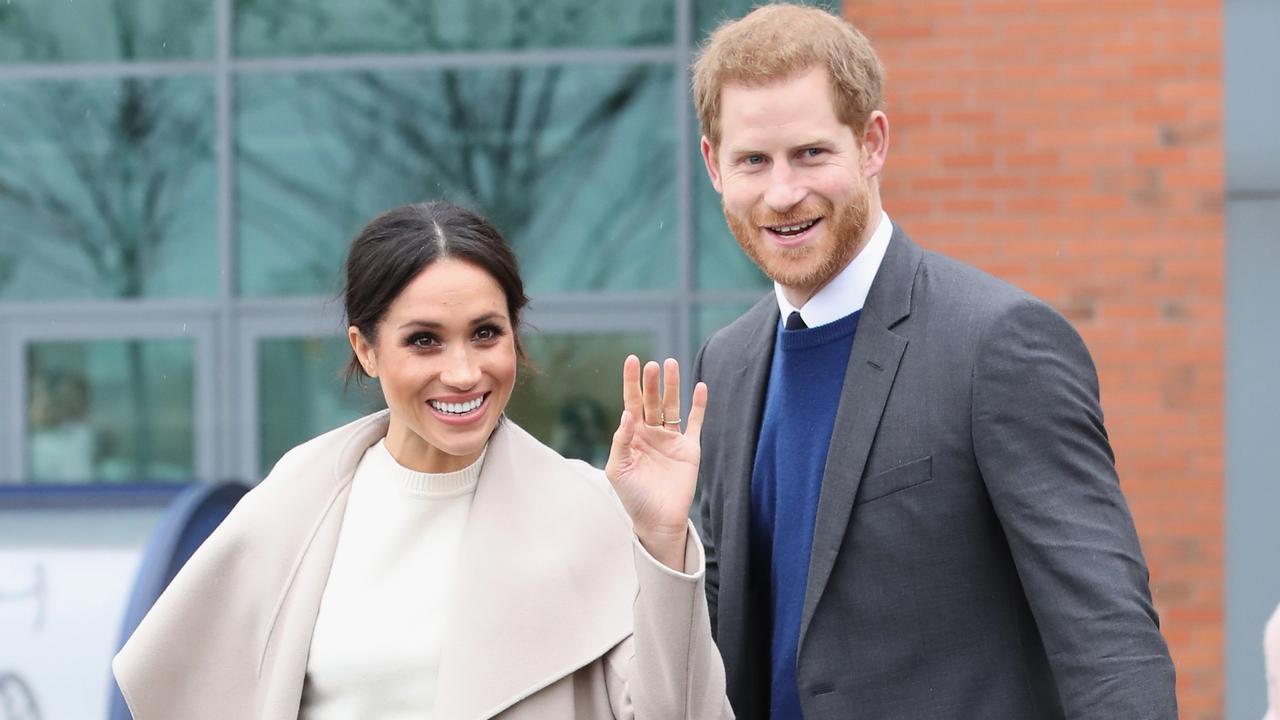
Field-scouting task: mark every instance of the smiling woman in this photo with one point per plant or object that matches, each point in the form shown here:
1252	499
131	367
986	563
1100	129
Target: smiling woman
426	561
442	343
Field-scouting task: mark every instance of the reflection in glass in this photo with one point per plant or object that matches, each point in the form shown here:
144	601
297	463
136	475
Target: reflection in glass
107	188
309	27
573	398
708	14
111	410
46	31
575	165
301	395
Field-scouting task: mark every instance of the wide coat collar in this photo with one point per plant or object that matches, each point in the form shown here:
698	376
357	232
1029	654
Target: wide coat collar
546	584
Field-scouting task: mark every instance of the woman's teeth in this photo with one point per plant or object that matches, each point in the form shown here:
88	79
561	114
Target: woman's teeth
457	408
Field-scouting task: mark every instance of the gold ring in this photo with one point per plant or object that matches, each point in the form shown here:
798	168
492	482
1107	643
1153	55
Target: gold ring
671	422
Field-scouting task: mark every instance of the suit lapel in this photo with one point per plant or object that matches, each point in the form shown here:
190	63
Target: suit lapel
746	389
545	583
873	365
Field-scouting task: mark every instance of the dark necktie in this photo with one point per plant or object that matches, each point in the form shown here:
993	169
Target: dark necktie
795	322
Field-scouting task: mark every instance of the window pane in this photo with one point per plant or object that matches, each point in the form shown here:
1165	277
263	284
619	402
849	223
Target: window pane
300	393
708	14
110	411
107	189
575	165
46	31
307	27
574	399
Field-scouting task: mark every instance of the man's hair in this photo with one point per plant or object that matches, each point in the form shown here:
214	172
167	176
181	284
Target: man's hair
778	41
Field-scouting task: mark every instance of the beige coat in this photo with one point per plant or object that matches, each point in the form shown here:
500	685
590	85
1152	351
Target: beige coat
562	613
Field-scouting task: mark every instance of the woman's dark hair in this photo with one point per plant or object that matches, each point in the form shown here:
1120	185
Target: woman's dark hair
402	242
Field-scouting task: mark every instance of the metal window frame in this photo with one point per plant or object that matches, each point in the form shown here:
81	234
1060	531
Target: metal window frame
35	323
231	327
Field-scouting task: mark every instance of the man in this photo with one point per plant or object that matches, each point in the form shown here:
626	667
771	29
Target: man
910	505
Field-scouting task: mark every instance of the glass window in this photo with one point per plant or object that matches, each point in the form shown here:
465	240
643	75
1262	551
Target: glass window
110	411
572	399
308	27
301	393
708	14
107	188
44	31
575	165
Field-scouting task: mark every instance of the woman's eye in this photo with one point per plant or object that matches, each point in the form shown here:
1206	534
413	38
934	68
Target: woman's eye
488	332
423	341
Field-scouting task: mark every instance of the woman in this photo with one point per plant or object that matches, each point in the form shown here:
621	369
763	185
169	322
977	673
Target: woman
434	559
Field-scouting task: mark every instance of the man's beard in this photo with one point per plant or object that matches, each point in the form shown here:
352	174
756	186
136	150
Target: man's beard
809	266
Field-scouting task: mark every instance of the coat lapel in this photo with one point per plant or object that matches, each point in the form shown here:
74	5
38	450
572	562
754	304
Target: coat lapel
546	580
230	635
873	365
746	389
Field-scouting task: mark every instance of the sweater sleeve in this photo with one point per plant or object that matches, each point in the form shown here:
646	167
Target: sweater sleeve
669	668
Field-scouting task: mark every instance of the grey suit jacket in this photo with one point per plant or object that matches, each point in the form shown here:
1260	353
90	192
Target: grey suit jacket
973	556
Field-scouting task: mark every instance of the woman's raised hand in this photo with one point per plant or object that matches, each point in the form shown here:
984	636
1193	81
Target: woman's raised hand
653	464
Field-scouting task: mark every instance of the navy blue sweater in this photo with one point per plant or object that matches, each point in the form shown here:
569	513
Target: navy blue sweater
799	412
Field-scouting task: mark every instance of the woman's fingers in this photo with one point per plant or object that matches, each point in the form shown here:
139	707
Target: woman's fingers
631	399
621	444
697	409
671	395
652	405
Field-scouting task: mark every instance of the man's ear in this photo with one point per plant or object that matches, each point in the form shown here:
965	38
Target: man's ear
875	143
710	158
363	350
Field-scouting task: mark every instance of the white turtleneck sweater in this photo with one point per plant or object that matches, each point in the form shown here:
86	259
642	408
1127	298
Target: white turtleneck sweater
375	650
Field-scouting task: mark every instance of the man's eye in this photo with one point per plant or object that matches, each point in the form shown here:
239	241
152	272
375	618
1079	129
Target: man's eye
813	152
753	159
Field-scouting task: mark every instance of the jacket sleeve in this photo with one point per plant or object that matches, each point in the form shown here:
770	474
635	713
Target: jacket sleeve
1050	472
705	502
669	669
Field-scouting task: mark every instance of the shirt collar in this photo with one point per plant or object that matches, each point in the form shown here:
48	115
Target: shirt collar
847	291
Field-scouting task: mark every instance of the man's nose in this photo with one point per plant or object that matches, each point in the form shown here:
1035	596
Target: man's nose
785	189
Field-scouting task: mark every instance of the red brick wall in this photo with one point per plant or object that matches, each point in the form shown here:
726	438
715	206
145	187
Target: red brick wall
1074	147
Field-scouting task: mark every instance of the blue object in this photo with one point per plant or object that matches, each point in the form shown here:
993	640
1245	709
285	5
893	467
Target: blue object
190	519
795	432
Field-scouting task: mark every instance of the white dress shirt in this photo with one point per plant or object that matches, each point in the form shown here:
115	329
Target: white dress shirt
847	291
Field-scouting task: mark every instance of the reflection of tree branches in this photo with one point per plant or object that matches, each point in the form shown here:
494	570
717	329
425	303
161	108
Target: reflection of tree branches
105	170
100	172
489	137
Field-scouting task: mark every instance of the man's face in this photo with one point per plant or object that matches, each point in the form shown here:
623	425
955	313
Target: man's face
793	179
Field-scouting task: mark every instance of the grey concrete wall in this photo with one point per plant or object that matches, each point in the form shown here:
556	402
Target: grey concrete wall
1252	145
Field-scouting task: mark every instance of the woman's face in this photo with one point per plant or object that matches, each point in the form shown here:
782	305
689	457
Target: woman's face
445	357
